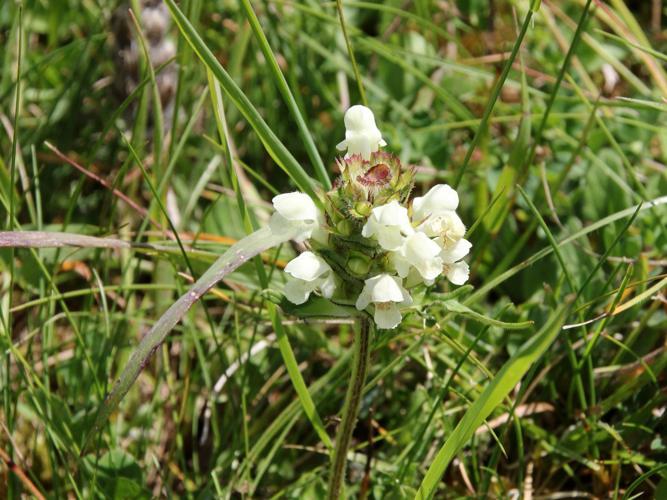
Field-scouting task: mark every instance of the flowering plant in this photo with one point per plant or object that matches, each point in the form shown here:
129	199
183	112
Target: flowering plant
372	246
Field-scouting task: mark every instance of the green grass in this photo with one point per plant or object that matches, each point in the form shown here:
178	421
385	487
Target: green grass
544	378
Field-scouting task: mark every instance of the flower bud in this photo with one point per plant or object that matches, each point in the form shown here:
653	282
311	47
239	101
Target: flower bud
359	264
345	227
363	208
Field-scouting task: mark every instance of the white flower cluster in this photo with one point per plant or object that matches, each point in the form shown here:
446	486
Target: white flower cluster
421	248
422	243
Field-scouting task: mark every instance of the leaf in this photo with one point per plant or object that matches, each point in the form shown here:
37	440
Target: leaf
456	307
318	307
234	257
118	473
297	380
493	394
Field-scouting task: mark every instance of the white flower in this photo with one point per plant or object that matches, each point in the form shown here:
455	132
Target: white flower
295	210
389	224
439	200
446	226
361	134
308	272
422	253
457	273
386	293
436	216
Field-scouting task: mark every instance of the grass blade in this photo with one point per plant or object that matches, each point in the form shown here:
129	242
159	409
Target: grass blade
492	396
304	133
295	375
274	147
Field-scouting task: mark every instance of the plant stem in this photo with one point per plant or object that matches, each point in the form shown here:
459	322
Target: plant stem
350	409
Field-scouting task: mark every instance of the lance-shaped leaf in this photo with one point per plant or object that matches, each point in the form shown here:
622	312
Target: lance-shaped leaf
318	307
493	394
234	257
458	308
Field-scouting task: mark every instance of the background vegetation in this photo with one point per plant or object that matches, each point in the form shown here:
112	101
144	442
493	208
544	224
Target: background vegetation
579	125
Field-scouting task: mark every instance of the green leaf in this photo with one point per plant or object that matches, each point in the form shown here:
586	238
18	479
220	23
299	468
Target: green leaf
297	380
273	146
319	307
234	257
118	473
456	307
493	394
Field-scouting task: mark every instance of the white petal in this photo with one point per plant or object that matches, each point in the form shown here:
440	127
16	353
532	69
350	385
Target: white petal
418	247
392	214
296	206
297	291
447	225
370	228
359	117
388	223
361	133
390	238
364	299
385	288
438	199
424	254
460	249
430	269
328	286
280	225
307	267
458	273
400	263
407	298
387	316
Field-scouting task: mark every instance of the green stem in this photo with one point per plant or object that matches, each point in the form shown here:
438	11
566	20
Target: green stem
351	408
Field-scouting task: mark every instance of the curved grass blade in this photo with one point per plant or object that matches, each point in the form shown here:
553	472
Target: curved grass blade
234	257
492	396
274	147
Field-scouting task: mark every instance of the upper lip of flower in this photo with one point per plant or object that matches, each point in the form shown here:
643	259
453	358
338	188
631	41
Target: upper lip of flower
389	223
439	199
296	206
307	267
308	272
298	211
386	292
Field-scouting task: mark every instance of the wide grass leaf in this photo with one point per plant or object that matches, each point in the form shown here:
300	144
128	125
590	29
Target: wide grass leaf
235	256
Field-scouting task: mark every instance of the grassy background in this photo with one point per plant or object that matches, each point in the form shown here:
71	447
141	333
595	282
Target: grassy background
584	137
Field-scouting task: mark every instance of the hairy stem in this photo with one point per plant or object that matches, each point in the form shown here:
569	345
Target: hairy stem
351	409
